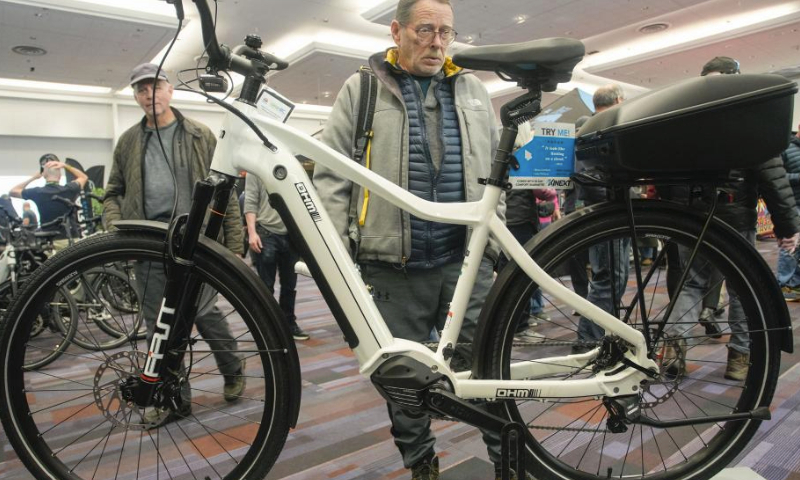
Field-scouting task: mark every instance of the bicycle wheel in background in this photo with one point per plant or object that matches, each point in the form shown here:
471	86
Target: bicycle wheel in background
109	309
569	438
73	420
53	327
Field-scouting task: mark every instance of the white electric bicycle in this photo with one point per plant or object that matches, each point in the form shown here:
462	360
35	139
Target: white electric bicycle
647	399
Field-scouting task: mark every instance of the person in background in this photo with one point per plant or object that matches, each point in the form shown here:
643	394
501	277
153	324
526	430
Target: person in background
50	208
271	249
788	268
648	247
146	184
609	261
29	218
577	264
433	134
522	220
737	207
7	215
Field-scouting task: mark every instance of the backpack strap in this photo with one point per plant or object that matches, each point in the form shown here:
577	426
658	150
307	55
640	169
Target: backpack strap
361	152
366	112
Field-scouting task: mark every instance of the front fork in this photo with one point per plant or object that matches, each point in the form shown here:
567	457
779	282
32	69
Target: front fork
179	305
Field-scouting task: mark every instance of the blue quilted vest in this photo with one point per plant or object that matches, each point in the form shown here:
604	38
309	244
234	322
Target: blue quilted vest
434	244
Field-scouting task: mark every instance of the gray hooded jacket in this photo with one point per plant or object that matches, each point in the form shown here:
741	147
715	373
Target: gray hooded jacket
386	233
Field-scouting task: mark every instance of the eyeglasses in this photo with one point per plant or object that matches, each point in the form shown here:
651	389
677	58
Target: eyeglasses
425	34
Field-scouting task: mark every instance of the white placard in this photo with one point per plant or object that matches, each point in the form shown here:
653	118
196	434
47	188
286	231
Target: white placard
274	105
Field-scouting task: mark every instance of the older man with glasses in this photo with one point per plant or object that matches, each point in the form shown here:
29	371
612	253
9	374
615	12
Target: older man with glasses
434	134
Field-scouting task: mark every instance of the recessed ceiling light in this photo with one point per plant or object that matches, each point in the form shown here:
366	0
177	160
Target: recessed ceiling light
654	27
29	50
520	18
469	39
326	94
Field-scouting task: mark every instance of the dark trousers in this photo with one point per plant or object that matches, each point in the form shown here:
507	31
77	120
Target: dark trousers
278	256
413	302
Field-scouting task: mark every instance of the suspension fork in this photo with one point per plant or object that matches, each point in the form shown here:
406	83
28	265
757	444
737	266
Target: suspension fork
181	292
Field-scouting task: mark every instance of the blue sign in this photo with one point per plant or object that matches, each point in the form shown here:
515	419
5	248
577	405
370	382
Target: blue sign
548	160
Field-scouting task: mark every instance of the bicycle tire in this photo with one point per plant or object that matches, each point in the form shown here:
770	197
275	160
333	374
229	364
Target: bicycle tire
51	330
116	288
70	434
99	307
568	439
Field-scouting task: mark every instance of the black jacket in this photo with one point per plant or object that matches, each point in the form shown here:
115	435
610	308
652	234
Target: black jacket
737	205
791	162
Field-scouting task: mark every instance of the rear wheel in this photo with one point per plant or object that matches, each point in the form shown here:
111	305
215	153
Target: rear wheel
74	420
570	438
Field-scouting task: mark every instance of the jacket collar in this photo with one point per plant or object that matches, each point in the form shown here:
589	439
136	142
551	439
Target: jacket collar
188	126
391	60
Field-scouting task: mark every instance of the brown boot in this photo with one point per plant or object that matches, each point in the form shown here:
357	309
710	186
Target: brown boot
673	360
738	365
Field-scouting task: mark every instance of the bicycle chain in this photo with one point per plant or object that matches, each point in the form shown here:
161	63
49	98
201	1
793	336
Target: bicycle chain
434	345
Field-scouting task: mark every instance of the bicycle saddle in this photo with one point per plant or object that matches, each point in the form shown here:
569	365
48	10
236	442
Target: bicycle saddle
547	61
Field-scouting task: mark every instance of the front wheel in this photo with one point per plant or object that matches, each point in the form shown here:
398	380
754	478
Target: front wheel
75	420
569	438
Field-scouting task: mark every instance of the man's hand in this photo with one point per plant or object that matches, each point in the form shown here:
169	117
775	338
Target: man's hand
255	243
788	244
54	164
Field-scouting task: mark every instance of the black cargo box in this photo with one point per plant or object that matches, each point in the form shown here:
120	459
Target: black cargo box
706	124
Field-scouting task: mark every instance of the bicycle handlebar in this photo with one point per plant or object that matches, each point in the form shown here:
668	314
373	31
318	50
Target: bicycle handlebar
243	59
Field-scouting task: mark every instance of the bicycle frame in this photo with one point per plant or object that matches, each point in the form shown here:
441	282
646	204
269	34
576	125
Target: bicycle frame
240	149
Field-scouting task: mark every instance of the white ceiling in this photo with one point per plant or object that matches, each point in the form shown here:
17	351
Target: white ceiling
97	42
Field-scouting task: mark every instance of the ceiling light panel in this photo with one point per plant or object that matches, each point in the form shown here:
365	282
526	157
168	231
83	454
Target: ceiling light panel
82	49
761	52
310	78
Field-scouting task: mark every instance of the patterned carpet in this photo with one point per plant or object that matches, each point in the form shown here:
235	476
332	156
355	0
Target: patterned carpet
343	429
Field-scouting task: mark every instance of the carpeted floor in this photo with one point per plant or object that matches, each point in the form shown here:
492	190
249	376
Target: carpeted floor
343	429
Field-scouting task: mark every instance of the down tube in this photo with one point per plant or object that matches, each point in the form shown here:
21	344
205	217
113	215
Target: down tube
320	246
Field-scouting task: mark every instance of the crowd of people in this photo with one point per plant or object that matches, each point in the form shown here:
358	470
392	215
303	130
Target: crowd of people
436	132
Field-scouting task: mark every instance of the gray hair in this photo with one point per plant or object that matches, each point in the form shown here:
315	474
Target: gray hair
405	9
608	96
51	173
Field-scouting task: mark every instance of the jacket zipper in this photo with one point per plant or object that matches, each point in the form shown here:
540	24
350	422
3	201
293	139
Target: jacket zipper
431	171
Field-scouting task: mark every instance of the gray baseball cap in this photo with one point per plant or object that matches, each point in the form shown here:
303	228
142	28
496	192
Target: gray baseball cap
723	65
145	71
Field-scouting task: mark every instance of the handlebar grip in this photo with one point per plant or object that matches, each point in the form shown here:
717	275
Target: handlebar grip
96	197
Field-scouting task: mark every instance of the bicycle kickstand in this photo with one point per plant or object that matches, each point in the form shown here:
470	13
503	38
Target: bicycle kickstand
512	444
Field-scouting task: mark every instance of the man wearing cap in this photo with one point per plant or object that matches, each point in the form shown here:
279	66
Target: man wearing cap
146	184
49	207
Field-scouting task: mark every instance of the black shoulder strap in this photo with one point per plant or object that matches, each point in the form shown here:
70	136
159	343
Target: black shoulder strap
366	111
